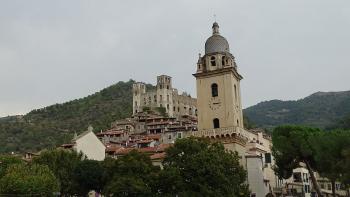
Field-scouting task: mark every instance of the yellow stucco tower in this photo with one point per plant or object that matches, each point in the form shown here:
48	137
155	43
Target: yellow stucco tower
218	86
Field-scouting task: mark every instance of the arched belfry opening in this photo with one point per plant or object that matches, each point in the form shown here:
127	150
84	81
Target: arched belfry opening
216	123
212	61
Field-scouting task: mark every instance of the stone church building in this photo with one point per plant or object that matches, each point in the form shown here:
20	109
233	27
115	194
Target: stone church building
219	114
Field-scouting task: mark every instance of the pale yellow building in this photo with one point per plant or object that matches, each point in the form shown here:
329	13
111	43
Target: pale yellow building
220	115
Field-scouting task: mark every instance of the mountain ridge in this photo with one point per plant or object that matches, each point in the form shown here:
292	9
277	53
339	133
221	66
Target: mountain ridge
320	109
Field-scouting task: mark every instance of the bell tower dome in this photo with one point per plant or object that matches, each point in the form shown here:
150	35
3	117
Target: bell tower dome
218	85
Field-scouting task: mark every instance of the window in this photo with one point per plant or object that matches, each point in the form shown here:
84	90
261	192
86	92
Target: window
178	109
167	106
214	90
174	109
167	87
267	157
212	61
179	135
235	93
216	123
223	61
169	137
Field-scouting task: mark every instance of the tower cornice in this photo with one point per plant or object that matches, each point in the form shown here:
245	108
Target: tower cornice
218	72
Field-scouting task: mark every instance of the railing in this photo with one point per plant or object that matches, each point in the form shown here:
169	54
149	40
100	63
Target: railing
239	132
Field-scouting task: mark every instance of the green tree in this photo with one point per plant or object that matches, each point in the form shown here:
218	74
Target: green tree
345	178
292	145
62	163
29	180
88	175
196	167
132	175
6	161
330	156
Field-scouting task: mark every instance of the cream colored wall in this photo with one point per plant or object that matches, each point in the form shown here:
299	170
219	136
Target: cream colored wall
256	176
239	149
229	112
91	146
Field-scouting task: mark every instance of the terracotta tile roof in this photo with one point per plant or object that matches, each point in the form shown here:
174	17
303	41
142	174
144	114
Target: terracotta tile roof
113	149
158	156
147	149
153	136
162	147
145	141
123	151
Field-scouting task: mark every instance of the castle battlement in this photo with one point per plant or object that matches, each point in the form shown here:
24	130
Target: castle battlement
163	96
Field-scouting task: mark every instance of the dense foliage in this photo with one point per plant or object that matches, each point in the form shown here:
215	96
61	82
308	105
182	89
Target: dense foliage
56	124
321	151
87	176
195	167
6	161
318	110
132	175
62	163
28	180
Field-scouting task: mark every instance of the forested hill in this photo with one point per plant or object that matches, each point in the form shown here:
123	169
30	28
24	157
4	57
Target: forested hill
56	124
321	109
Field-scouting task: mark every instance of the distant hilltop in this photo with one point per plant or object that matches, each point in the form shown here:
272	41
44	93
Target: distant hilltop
321	109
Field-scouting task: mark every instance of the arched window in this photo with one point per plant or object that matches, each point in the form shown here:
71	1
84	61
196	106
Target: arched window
212	61
223	61
214	90
216	123
237	122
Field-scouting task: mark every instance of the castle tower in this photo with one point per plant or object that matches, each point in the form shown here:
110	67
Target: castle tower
165	93
138	89
218	85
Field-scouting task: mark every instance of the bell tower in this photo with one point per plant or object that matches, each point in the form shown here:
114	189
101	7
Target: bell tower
218	85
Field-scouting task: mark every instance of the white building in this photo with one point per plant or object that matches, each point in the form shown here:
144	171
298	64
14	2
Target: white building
89	144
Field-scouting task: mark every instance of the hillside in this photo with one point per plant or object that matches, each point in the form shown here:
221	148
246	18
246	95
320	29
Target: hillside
56	124
321	109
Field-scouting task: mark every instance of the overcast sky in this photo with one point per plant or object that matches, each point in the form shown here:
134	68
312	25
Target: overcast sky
56	51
